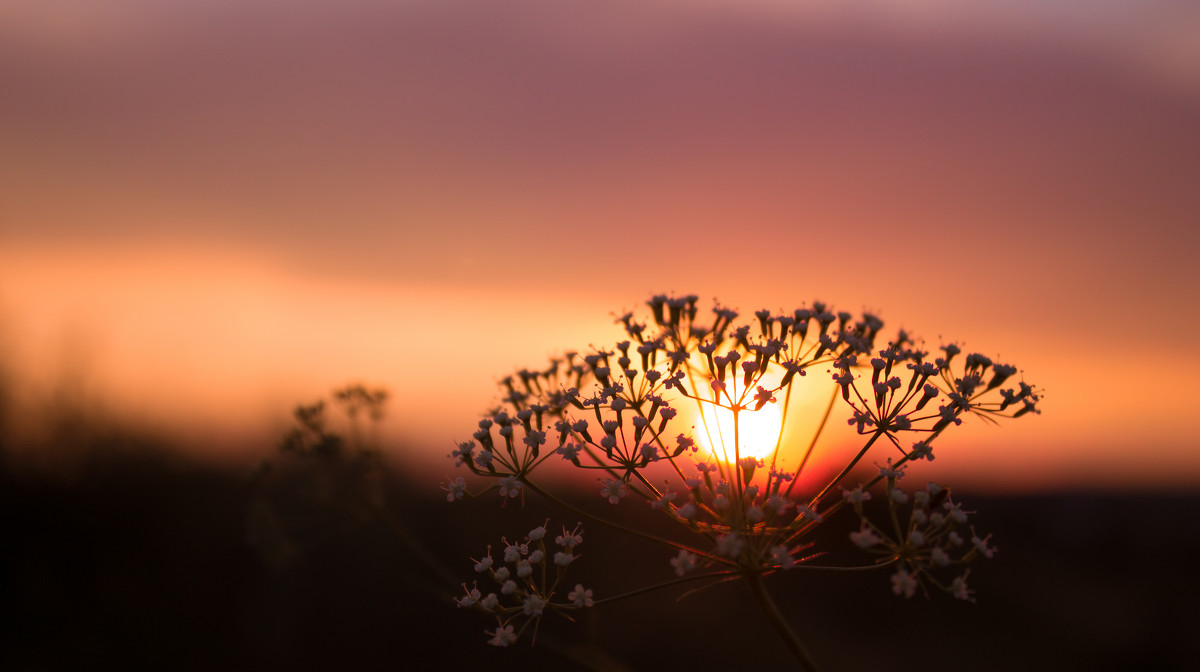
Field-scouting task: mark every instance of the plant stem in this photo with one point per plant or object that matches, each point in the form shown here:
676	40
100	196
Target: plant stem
697	577
781	625
836	480
813	444
609	523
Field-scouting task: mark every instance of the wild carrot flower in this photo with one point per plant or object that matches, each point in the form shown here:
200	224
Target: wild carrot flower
581	597
526	586
738	503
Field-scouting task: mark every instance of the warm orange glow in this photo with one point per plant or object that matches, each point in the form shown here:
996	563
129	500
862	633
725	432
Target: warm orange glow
757	431
198	244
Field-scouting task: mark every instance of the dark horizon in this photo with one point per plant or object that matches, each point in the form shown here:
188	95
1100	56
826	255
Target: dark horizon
150	560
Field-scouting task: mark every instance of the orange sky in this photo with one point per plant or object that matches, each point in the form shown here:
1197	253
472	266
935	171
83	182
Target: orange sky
220	209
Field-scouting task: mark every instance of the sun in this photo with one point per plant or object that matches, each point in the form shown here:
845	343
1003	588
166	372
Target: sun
758	431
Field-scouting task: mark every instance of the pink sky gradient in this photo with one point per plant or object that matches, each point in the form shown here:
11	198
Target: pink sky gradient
218	210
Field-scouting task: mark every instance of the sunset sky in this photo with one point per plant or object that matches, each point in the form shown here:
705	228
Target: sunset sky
213	210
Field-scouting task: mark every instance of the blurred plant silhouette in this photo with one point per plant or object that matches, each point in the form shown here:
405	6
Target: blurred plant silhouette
617	412
323	471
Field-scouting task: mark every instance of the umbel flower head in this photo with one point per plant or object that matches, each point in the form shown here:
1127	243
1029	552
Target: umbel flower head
637	413
524	582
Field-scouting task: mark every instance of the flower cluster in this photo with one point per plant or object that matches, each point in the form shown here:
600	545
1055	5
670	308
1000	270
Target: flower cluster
638	413
927	542
526	579
904	381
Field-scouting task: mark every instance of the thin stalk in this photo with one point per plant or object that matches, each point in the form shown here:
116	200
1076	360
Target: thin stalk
813	444
838	479
781	625
609	523
737	462
667	584
854	568
787	399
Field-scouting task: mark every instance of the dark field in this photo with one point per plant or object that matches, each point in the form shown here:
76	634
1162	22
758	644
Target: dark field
153	562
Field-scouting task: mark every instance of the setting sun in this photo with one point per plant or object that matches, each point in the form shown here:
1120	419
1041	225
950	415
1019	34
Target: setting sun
758	431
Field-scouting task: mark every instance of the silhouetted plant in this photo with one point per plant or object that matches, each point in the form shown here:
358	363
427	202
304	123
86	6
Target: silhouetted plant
617	412
325	471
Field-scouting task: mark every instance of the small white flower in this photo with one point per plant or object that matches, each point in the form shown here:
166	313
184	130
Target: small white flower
569	539
470	599
533	605
981	545
509	486
955	512
904	583
665	499
461	453
484	564
939	556
686	511
513	553
613	490
582	597
503	636
865	538
562	559
958	588
534	438
455	489
857	495
730	545
684	562
898	496
809	514
921	450
508	587
537	533
889	471
502	574
524	569
537	557
490	603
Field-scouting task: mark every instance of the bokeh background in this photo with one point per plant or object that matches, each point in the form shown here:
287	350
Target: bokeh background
211	211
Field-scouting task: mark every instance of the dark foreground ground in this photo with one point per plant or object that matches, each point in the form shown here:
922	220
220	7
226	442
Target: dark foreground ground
151	563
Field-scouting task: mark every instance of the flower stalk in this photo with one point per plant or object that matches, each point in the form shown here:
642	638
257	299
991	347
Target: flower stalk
785	631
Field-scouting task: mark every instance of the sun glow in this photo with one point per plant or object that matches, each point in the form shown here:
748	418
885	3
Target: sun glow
757	431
